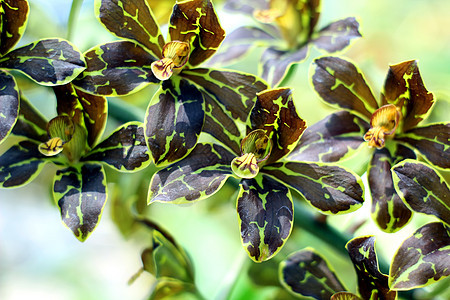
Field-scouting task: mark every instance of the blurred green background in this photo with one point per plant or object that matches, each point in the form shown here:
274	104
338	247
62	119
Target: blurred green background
39	257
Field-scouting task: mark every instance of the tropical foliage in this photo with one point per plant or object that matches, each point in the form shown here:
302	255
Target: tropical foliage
149	119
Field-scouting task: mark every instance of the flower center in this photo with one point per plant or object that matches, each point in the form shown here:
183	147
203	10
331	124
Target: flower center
60	131
175	56
255	148
383	123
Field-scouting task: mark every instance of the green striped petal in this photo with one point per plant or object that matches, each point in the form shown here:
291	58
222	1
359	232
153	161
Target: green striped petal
195	22
80	193
334	138
9	104
133	20
20	164
388	210
404	87
422	189
308	274
14	19
196	177
340	83
275	63
125	149
48	61
86	109
239	43
422	259
174	120
30	123
337	36
235	91
275	113
169	288
265	211
329	188
344	296
432	141
116	68
372	284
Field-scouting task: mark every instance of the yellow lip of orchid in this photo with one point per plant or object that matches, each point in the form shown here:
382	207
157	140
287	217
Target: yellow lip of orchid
175	56
384	122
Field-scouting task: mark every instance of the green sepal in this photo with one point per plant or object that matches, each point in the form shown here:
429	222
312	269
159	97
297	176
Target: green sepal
9	104
30	123
275	113
422	259
196	177
432	141
125	149
266	212
340	83
388	210
164	258
345	296
174	120
372	284
116	68
20	164
195	22
337	36
422	189
307	273
48	61
89	111
335	138
13	19
329	188
404	88
233	90
275	63
132	20
80	193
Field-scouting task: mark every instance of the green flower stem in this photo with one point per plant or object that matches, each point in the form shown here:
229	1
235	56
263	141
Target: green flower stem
74	12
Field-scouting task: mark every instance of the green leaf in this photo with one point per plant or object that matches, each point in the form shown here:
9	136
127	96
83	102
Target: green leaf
330	188
195	22
275	63
235	91
307	273
195	177
9	104
265	211
133	20
85	109
432	141
337	35
30	123
48	61
404	87
125	149
422	259
14	19
388	210
334	138
80	193
21	164
174	120
340	83
116	68
422	189
274	111
372	284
